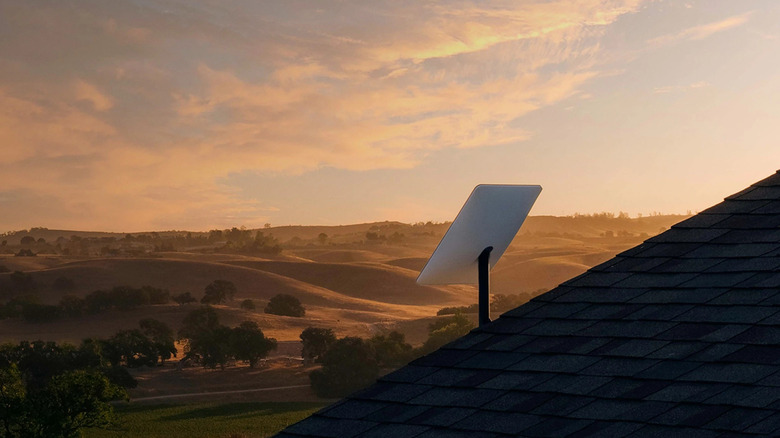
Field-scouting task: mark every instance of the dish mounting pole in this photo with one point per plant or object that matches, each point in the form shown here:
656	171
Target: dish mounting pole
483	262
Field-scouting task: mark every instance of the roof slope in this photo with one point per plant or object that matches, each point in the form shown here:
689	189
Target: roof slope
676	337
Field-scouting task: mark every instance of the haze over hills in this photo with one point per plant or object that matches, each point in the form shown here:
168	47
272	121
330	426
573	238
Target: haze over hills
357	279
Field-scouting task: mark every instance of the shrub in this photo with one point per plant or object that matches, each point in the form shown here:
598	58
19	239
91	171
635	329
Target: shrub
248	304
285	305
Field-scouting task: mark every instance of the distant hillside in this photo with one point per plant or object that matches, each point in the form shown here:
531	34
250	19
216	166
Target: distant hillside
582	225
357	279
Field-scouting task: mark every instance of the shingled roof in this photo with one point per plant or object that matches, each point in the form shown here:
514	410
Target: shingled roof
678	336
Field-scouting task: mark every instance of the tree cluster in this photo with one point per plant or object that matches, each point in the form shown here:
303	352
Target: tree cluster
213	345
50	390
125	298
154	342
473	308
183	298
231	239
350	363
29	307
26	303
242	241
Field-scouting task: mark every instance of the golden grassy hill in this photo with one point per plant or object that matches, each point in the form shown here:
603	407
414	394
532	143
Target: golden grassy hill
350	282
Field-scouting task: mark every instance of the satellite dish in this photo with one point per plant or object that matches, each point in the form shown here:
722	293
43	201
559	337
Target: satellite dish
478	237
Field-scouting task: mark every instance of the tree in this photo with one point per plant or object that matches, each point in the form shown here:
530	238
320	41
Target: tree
391	351
316	342
47	390
285	305
248	304
183	298
215	235
12	399
323	238
28	240
248	343
162	338
70	402
205	338
218	292
348	365
503	303
131	348
212	348
204	318
446	330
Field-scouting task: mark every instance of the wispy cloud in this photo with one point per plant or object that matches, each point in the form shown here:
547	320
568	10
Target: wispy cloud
703	31
87	92
679	88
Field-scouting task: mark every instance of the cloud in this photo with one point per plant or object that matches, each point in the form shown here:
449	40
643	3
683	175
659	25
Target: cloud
671	89
144	107
88	92
703	31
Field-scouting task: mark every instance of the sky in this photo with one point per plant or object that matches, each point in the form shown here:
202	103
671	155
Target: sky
192	114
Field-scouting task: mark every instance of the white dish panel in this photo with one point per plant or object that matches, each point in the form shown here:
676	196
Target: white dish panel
491	216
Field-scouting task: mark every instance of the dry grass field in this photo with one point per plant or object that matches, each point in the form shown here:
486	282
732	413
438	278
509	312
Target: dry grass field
355	285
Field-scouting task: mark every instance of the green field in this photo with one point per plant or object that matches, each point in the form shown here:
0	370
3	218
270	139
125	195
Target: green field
205	420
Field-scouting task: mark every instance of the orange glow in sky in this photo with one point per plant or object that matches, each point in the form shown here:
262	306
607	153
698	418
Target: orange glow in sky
140	115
